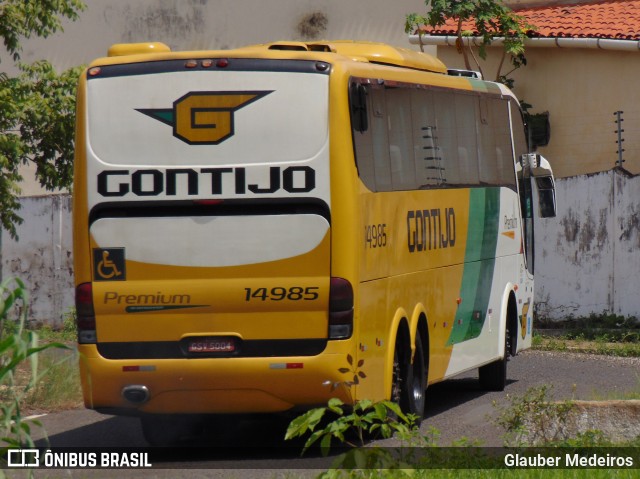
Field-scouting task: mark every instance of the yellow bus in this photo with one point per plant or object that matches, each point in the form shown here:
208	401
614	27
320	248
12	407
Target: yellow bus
263	229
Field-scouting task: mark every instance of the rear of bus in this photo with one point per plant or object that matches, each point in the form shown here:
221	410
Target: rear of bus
202	235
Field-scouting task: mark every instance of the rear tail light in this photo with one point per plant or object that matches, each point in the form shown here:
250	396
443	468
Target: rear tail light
86	317
340	309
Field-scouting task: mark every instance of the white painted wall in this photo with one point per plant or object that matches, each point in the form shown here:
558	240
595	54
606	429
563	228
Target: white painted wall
219	24
42	256
587	258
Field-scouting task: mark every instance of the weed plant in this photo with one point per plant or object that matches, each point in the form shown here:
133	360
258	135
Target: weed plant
603	327
65	334
532	419
19	347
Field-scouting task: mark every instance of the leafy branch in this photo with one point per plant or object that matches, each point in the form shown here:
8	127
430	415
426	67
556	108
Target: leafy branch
365	417
37	119
17	346
37	108
490	18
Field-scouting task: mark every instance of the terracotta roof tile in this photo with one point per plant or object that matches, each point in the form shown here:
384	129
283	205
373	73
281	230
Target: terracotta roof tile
616	19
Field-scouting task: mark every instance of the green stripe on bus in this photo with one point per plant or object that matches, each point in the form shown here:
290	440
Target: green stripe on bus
482	239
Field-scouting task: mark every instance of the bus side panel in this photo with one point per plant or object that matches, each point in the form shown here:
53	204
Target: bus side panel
381	300
465	246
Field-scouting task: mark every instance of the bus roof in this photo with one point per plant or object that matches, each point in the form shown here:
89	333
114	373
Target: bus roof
370	52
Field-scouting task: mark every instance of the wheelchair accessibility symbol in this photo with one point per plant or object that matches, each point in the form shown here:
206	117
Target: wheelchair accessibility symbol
109	264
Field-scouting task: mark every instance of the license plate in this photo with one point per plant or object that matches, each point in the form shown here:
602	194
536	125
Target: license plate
211	345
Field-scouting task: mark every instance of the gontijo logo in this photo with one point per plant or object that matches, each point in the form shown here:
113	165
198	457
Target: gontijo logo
204	117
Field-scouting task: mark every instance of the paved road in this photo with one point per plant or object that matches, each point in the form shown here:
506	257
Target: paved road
457	408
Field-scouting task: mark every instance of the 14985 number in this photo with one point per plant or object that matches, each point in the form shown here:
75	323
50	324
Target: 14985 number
295	293
375	236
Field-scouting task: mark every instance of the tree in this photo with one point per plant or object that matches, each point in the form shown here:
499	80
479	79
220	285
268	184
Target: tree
25	18
491	19
37	108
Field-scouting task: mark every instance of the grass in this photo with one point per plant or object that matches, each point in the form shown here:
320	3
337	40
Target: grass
58	387
604	334
602	345
65	334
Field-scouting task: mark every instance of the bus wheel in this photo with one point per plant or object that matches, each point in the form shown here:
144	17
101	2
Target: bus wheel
396	383
409	380
493	376
166	429
417	381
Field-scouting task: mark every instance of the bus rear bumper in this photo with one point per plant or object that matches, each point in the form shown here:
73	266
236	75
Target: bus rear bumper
214	385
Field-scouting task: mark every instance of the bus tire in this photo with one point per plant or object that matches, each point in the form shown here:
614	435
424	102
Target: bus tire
417	381
493	376
409	379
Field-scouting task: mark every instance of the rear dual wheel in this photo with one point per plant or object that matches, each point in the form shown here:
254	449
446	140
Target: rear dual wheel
409	379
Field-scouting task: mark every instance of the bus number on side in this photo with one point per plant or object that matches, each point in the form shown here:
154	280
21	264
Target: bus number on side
295	293
375	236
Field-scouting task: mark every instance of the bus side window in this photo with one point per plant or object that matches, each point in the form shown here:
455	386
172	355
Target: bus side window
401	154
370	136
358	101
362	138
467	115
379	128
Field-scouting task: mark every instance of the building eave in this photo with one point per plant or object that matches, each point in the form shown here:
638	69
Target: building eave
538	42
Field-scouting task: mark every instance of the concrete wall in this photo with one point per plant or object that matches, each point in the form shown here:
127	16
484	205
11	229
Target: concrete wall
219	24
42	256
587	258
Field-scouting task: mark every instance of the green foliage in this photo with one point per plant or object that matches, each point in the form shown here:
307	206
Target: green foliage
37	108
419	455
17	348
67	333
604	334
36	125
352	426
612	327
491	19
24	19
364	418
58	387
534	419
